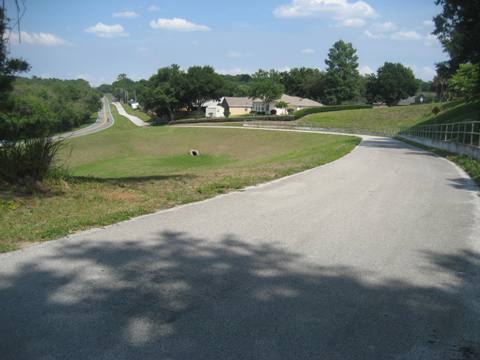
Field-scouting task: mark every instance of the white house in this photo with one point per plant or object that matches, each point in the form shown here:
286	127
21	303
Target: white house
213	109
134	104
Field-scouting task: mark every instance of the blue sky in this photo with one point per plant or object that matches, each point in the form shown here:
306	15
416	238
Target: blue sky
97	40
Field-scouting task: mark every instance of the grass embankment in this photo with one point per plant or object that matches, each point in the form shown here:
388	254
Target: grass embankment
375	119
396	118
137	112
127	171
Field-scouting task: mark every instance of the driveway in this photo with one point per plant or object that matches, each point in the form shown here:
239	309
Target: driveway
374	256
134	119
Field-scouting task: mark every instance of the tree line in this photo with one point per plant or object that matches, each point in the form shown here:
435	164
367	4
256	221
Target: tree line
172	89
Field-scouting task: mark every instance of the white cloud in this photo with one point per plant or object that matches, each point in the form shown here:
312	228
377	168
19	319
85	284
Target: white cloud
384	27
232	54
125	14
406	35
365	70
353	22
41	38
379	30
177	24
371	35
308	51
428	23
107	31
342	11
153	8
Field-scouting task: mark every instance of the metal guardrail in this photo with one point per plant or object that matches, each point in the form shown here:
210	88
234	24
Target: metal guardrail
465	133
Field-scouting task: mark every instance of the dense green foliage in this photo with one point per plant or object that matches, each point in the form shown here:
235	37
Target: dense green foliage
458	29
304	82
39	107
343	78
464	83
304	112
171	89
8	66
392	83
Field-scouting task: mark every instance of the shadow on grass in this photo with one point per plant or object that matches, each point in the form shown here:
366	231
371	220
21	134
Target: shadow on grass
130	179
56	187
174	296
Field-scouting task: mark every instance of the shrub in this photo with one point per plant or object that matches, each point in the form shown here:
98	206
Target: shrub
436	110
304	112
25	162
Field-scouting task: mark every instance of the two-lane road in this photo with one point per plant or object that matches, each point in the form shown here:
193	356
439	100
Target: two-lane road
374	256
104	121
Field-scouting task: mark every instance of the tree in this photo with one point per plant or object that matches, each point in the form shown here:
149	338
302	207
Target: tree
304	82
458	29
165	92
464	83
281	105
123	88
203	84
266	86
8	66
342	78
392	83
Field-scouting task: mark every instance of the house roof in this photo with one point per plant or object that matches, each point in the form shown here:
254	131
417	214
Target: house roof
299	102
294	101
244	102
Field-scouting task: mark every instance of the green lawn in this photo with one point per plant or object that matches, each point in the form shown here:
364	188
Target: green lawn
370	119
127	171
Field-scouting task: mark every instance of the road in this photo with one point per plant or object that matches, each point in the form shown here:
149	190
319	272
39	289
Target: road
104	121
374	256
134	119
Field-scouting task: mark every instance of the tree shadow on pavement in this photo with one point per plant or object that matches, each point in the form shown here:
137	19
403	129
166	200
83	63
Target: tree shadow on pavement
174	296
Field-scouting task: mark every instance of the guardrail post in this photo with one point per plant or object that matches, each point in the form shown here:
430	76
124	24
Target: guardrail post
471	135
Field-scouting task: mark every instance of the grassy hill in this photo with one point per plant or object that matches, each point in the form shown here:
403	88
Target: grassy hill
127	171
370	119
398	117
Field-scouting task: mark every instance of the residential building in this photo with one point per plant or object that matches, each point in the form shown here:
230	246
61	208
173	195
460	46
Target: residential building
294	103
237	105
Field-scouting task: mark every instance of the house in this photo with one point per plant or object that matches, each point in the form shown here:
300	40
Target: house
237	105
134	104
294	103
213	109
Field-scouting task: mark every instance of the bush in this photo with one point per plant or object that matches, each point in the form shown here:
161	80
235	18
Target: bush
28	161
304	112
238	119
436	110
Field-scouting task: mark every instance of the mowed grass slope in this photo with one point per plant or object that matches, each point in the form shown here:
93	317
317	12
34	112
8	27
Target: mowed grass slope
137	112
370	119
127	171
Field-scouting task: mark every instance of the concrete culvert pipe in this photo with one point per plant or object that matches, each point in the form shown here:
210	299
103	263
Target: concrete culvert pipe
194	152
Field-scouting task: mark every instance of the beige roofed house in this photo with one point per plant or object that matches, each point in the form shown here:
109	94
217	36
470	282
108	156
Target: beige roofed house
237	105
294	102
299	103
